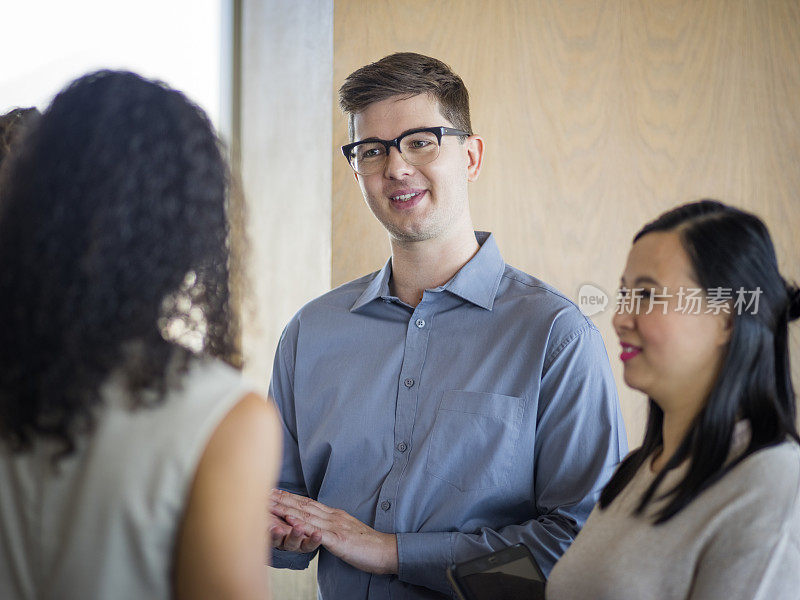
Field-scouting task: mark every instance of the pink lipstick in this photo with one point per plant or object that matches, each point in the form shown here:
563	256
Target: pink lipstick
628	352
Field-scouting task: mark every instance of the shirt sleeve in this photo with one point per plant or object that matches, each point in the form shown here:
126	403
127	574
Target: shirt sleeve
580	439
281	389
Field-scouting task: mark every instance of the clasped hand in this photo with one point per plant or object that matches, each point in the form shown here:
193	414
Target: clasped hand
302	525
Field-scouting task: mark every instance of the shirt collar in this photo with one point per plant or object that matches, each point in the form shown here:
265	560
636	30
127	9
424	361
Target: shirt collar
476	282
377	288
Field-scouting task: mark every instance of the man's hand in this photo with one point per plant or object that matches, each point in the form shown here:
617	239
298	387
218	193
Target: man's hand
286	537
341	534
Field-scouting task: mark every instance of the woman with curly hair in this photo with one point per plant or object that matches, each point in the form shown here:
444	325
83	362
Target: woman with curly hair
135	462
709	506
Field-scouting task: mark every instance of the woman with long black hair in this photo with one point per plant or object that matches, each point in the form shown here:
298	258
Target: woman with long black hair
135	462
709	506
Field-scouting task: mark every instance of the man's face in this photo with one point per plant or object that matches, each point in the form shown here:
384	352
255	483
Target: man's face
422	202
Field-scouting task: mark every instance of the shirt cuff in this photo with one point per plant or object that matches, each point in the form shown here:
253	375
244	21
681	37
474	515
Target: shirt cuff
423	559
281	559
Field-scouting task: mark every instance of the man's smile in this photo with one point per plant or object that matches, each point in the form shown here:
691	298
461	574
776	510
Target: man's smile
407	198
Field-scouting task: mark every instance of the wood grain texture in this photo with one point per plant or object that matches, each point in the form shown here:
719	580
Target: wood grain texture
598	116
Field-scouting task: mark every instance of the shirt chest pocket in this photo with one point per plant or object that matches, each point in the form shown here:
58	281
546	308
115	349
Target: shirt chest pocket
474	439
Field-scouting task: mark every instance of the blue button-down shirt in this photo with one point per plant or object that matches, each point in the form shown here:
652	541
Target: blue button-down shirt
485	416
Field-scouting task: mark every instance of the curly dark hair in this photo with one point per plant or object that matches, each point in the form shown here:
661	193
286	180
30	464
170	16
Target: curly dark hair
13	125
114	254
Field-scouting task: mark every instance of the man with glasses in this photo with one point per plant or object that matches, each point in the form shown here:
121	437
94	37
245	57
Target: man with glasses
447	405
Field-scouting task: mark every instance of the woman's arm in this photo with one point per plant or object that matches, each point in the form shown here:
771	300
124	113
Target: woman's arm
222	549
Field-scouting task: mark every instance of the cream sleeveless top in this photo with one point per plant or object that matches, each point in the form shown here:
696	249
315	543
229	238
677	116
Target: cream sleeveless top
104	525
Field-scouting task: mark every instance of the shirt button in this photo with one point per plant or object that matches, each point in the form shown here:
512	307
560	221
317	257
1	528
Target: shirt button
402	446
420	323
386	505
408	382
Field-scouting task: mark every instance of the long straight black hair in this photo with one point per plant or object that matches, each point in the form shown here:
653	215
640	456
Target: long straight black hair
731	249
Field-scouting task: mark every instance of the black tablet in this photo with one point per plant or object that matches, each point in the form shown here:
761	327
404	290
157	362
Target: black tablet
508	574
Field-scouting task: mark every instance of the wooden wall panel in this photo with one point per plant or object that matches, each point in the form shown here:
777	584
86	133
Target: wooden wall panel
598	116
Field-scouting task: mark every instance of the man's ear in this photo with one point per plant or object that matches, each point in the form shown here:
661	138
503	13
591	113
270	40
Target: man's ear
475	148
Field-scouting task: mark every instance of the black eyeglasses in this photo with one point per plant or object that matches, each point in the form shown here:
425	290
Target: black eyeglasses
418	147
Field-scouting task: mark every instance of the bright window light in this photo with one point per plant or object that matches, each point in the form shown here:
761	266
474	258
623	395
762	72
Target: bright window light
46	44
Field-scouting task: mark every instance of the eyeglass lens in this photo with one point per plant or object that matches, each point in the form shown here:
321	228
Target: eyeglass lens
417	149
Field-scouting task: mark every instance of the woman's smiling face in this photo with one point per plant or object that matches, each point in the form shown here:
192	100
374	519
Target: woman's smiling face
670	353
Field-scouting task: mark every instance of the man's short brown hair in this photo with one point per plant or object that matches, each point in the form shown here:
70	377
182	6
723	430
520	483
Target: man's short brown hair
406	74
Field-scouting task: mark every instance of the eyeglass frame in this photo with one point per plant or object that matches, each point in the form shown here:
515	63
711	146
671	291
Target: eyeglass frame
439	132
